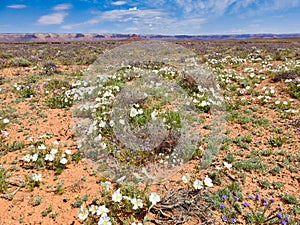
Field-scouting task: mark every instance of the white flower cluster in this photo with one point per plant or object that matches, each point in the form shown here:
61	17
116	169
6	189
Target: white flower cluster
49	156
117	197
135	110
197	184
36	177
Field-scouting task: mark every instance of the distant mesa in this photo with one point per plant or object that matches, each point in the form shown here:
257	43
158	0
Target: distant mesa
56	37
99	36
79	35
29	37
120	36
135	37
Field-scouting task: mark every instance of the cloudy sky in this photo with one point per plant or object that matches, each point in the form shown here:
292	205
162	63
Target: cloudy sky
150	16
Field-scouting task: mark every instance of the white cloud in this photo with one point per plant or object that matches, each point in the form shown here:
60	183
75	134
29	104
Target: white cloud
132	9
170	26
16	6
125	15
219	7
57	17
278	4
180	16
119	3
200	7
147	21
51	19
60	7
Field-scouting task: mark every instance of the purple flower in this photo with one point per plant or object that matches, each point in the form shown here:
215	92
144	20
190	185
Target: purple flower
246	204
222	206
264	200
279	215
224	218
257	197
279	208
224	197
236	198
251	197
287	219
233	220
283	222
272	200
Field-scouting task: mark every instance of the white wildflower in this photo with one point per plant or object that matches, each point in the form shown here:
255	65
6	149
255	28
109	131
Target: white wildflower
93	209
104	220
68	152
34	157
208	182
102	210
133	112
42	147
63	161
137	203
49	157
36	177
154	114
186	178
83	213
198	184
117	196
227	165
106	185
154	198
5	121
103	145
27	158
53	151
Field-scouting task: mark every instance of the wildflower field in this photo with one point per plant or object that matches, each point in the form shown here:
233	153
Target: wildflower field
137	132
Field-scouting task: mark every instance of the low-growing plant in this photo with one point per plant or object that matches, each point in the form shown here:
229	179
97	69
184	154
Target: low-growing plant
277	141
59	188
253	210
289	199
255	164
37	201
41	157
33	180
49	68
47	211
293	89
3	179
20	62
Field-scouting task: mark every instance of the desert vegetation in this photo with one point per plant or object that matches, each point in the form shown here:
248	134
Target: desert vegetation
240	166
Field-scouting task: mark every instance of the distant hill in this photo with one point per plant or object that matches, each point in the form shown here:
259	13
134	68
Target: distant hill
54	37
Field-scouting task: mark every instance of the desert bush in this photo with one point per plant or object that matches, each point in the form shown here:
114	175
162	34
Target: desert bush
20	62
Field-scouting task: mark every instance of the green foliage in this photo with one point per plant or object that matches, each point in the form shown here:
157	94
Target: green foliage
293	89
37	201
47	211
256	164
3	180
20	62
49	68
289	199
253	210
277	141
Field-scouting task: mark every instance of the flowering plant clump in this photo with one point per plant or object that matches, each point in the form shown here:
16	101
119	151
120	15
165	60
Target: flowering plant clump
59	94
42	156
33	180
197	184
127	204
128	122
253	210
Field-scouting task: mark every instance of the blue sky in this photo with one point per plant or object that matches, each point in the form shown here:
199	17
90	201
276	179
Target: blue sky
150	16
